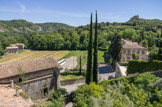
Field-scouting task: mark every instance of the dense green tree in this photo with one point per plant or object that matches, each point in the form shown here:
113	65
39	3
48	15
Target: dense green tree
80	70
89	75
142	35
135	56
95	60
160	50
129	34
2	52
115	48
154	54
145	43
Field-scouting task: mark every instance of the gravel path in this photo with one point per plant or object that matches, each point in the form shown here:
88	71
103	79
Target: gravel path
8	98
70	63
72	87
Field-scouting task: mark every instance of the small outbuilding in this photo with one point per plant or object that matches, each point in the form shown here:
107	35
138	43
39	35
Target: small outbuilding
40	75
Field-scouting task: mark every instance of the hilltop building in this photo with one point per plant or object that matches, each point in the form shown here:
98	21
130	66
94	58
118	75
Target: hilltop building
41	75
129	48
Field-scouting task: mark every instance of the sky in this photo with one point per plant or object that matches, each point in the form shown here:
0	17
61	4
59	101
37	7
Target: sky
77	12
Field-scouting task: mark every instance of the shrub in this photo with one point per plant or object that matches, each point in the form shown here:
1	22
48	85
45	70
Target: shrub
57	97
131	91
143	80
124	63
81	97
135	66
24	95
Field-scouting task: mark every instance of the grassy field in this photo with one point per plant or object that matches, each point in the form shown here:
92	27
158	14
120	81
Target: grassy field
28	55
70	77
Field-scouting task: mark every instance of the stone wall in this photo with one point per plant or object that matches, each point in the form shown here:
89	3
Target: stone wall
36	88
128	53
29	76
120	71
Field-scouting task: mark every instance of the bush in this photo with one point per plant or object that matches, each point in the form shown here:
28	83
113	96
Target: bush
120	92
81	97
143	80
24	95
135	66
124	63
57	97
102	49
84	73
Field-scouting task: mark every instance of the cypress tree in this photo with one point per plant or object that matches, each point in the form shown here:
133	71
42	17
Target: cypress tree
95	63
160	48
80	71
142	34
89	75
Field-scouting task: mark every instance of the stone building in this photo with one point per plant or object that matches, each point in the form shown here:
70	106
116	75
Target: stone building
129	48
40	75
19	45
13	48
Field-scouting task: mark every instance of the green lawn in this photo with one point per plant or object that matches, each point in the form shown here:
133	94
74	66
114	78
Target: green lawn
78	53
102	56
70	77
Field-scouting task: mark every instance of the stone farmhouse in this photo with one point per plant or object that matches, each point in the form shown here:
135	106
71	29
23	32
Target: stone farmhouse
13	48
42	75
129	48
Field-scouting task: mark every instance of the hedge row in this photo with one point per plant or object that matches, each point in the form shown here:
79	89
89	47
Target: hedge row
135	66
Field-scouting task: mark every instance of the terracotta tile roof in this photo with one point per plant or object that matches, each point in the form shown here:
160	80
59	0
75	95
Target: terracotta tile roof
127	44
35	65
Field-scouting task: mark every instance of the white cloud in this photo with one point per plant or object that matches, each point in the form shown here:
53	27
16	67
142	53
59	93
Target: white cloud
23	8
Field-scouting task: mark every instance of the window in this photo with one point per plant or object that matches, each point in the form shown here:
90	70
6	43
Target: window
138	52
128	51
123	59
133	51
143	52
124	51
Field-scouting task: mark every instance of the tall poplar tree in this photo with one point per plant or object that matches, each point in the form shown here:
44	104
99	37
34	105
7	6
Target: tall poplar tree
89	75
95	63
160	48
80	71
115	49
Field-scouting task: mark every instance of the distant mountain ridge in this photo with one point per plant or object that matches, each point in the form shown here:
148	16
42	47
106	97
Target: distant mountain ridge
136	19
23	25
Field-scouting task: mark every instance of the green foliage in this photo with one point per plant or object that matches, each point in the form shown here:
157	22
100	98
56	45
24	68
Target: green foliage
154	54
143	80
57	97
124	63
136	66
121	92
81	97
115	48
80	70
145	43
89	76
95	59
135	56
2	52
160	50
24	95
